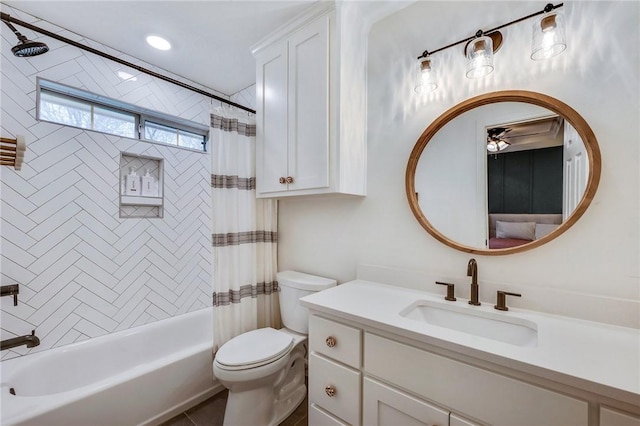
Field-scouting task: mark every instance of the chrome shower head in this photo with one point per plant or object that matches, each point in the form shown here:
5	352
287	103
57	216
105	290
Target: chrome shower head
26	48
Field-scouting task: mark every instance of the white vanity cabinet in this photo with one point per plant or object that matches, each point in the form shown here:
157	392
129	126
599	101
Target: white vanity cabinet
395	383
305	138
334	372
384	405
411	372
467	390
610	417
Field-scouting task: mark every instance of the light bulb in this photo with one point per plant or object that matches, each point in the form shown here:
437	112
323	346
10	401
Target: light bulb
426	76
502	145
479	57
548	36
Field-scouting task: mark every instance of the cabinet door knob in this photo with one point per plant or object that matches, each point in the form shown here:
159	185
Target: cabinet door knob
331	341
330	391
282	180
289	179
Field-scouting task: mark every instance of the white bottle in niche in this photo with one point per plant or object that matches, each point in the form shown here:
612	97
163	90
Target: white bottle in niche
149	186
132	183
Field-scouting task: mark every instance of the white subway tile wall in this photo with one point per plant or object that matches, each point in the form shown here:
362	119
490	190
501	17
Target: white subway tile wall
83	271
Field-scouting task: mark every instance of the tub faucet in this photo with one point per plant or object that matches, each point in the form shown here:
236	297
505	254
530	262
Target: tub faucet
30	340
472	271
10	290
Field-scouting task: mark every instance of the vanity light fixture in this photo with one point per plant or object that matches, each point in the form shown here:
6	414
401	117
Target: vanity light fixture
548	35
479	53
548	41
426	76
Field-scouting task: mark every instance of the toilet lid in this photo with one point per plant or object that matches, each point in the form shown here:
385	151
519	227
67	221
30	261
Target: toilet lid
254	348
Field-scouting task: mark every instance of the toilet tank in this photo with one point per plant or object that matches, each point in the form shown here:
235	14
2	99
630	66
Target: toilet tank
294	285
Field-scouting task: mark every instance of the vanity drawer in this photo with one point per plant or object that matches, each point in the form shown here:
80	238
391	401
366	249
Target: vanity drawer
318	417
475	392
327	376
335	340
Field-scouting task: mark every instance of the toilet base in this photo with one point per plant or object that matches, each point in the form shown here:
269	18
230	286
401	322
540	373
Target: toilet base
284	408
268	401
263	407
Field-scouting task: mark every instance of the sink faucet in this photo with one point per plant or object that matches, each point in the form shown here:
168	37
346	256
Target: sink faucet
29	340
472	271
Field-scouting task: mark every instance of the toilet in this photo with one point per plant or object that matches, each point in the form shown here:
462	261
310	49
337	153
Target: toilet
264	369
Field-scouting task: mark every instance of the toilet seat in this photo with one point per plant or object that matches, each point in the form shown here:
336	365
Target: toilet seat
254	349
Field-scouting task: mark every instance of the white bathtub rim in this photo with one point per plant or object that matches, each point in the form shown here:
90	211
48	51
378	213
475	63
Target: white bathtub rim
111	336
23	407
118	378
17	408
33	356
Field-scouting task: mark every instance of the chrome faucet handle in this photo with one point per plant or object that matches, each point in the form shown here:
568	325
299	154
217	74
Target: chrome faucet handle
450	291
502	300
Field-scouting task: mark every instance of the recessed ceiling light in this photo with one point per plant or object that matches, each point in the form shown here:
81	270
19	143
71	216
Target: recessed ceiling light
158	42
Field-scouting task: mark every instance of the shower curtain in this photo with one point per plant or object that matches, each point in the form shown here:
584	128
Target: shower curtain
244	232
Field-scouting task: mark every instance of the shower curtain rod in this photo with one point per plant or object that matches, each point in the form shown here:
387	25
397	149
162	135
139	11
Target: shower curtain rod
6	17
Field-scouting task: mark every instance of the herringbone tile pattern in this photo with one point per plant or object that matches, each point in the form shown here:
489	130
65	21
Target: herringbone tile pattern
83	271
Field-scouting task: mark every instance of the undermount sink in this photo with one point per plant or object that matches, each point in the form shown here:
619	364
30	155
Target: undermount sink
495	326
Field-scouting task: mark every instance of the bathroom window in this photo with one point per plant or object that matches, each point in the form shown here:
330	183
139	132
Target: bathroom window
154	131
67	105
66	110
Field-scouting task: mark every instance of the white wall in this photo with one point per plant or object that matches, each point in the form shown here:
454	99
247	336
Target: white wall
592	270
82	270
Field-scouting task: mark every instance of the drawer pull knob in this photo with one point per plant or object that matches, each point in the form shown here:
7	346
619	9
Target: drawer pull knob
282	180
330	391
331	341
289	179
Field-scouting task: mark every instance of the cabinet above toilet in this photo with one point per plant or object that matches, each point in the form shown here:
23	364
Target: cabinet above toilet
311	137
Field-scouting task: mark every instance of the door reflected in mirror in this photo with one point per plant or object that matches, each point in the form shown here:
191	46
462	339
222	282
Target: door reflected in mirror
503	172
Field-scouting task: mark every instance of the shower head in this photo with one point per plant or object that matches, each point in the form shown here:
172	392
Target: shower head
29	48
26	48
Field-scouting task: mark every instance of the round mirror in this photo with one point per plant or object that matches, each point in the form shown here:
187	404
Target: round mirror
503	172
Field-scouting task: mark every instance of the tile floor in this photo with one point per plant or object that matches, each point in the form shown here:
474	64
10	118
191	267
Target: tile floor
211	413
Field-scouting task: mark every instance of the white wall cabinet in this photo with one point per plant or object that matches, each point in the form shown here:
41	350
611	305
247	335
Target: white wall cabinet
303	147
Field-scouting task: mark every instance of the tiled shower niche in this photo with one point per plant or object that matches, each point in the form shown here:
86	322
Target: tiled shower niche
138	205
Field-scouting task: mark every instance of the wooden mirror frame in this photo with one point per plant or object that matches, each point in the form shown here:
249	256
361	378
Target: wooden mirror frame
552	104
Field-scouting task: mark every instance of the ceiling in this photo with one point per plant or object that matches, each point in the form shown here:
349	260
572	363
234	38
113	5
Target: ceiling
211	39
534	134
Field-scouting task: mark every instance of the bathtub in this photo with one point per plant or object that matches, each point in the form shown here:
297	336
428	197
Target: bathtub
140	376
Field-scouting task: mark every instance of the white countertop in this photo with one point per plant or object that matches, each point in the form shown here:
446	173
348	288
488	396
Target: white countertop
592	356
